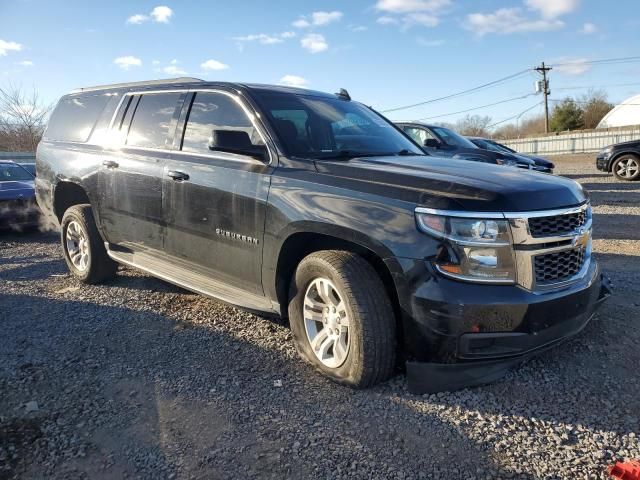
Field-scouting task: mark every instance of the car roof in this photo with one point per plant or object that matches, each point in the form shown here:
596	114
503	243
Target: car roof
192	82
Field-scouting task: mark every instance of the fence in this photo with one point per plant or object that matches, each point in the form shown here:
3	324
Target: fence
573	142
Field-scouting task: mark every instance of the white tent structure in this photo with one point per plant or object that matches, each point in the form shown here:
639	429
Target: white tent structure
625	114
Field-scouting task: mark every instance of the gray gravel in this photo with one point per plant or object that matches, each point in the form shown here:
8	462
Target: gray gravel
140	379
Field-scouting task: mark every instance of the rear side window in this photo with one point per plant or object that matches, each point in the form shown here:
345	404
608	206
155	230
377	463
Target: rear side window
215	111
153	121
74	117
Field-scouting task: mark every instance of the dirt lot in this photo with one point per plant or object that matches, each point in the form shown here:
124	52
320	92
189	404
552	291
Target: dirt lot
139	379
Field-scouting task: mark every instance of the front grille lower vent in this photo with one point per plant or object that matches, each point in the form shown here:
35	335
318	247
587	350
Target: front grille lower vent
557	224
558	266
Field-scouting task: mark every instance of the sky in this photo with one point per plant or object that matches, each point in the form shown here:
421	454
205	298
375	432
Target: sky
386	53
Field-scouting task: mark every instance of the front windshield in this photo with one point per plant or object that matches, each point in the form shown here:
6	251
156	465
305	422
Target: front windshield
488	145
320	127
452	138
503	148
13	173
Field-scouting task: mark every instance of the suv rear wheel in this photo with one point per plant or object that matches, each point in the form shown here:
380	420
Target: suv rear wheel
83	248
627	167
341	318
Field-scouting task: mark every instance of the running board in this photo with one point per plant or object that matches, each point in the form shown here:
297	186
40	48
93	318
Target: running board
180	275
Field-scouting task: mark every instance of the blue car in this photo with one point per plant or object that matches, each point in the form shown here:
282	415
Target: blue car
18	208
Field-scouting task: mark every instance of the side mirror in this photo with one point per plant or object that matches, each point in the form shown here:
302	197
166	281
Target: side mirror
236	141
431	143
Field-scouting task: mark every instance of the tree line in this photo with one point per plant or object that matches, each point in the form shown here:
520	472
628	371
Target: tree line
583	112
23	117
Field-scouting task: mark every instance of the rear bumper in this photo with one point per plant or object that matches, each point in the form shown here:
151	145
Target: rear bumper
458	334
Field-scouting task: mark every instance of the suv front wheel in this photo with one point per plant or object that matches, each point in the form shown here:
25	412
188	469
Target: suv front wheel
627	167
341	318
83	248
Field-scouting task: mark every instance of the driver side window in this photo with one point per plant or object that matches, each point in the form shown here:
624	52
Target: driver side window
215	111
419	135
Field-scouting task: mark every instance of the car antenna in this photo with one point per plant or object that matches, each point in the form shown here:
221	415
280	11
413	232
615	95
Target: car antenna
343	94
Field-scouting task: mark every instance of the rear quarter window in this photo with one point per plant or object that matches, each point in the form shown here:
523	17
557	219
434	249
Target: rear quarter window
74	117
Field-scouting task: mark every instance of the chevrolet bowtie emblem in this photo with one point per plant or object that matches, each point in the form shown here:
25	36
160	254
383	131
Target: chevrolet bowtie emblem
582	237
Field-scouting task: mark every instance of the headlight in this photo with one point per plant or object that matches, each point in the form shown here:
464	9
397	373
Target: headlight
473	249
606	150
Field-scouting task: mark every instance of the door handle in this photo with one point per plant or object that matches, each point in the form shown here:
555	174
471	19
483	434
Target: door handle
110	164
177	176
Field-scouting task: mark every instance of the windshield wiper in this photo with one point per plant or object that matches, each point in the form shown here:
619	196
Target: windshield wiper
404	153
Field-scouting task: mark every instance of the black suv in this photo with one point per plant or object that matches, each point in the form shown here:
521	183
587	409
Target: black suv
444	142
314	207
623	159
540	164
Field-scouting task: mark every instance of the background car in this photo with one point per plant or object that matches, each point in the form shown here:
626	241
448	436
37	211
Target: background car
622	159
18	208
444	142
541	164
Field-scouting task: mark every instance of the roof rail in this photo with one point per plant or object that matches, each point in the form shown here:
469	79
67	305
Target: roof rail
139	84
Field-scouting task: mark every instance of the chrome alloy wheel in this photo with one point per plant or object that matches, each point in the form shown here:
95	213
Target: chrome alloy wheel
326	322
77	246
627	167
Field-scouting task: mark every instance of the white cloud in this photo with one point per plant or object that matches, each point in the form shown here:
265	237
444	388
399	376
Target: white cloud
357	28
161	14
409	13
301	23
508	20
174	70
8	47
264	38
137	19
318	19
156	62
314	43
553	8
294	81
386	20
572	67
324	18
210	65
26	63
589	28
430	43
407	6
127	62
421	19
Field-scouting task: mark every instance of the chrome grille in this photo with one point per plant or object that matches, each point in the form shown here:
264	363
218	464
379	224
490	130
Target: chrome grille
558	266
556	224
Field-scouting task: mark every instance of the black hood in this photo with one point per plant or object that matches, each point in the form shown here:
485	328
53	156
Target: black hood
455	184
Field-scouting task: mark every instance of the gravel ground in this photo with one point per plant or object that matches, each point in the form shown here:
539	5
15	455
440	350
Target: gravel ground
140	379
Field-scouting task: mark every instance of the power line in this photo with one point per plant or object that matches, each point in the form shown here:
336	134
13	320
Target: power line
515	116
587	103
579	87
478	108
464	92
603	61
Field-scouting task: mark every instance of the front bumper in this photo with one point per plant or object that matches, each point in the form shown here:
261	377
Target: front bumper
458	335
602	162
18	218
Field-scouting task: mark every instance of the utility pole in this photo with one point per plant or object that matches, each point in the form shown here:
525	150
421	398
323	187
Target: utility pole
546	92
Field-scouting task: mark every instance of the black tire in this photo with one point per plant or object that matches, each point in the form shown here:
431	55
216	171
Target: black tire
370	357
100	266
624	173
